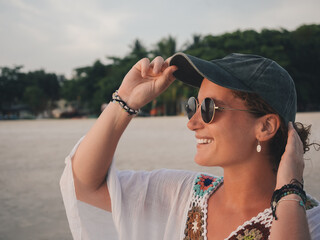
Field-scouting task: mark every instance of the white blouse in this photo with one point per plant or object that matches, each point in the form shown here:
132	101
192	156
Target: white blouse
150	205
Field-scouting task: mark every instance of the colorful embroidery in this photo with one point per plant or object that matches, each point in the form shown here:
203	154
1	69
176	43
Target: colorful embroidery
204	184
257	228
256	231
194	229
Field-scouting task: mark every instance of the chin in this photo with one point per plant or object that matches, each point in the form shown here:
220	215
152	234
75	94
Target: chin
202	161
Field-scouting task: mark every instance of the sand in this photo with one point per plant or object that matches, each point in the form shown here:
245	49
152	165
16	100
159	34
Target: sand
32	160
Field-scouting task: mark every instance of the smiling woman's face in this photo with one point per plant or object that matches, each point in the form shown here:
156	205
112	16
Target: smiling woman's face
230	138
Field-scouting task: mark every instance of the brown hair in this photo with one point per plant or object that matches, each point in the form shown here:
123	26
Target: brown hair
279	141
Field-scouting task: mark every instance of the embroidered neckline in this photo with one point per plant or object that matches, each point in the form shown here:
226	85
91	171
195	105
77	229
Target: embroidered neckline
205	184
196	225
258	227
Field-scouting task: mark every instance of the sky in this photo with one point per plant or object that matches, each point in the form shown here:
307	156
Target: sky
61	35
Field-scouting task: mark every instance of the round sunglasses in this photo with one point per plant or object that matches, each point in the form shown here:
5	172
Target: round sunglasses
208	109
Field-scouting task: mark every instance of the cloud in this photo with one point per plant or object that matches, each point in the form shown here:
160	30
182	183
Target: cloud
59	34
292	14
25	8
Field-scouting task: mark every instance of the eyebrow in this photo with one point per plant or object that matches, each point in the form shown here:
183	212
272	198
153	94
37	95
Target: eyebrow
219	102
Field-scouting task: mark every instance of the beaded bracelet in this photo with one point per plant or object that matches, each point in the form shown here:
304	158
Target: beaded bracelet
123	104
285	191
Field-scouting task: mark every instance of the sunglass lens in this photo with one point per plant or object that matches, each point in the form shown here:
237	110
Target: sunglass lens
207	110
191	107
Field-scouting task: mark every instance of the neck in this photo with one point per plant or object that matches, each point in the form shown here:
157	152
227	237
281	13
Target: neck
249	186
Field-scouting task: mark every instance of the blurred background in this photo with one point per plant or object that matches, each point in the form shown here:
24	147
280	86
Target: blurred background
64	59
60	61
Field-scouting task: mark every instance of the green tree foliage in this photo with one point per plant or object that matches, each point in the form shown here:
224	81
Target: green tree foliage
45	83
88	79
11	86
35	98
297	51
38	90
304	55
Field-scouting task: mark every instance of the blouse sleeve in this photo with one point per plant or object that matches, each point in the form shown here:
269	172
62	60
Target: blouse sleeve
313	216
69	197
145	205
85	221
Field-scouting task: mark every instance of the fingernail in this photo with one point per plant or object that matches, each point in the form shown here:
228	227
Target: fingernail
175	68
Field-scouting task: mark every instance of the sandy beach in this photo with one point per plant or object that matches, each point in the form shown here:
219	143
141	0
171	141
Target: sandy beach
32	160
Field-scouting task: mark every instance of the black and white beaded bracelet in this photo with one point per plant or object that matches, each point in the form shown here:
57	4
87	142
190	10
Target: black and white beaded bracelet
123	104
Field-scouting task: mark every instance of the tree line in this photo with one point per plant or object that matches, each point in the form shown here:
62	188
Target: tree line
298	51
37	90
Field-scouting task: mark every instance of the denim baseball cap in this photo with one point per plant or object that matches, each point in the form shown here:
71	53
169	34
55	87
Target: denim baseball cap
242	72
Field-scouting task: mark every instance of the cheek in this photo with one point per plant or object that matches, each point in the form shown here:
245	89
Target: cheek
240	143
234	139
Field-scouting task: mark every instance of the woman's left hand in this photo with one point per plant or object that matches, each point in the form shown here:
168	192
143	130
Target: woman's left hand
292	163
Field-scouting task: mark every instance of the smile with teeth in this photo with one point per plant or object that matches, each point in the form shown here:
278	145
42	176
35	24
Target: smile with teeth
204	140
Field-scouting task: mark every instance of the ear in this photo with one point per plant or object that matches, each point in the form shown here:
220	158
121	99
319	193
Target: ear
267	127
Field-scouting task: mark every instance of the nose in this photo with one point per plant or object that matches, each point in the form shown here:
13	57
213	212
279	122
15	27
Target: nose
195	122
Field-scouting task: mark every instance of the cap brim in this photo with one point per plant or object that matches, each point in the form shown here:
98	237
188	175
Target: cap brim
192	71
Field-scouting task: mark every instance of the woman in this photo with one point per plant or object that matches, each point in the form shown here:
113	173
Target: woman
242	121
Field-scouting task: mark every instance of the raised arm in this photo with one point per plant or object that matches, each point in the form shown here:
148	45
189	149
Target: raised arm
144	82
292	221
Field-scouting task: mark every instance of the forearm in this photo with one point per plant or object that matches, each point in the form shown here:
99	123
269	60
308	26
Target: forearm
143	83
95	153
292	221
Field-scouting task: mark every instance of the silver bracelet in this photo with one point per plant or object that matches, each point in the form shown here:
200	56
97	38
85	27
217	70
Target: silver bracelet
123	104
295	200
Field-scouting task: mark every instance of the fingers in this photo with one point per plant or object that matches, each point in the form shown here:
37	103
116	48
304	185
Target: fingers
166	79
168	72
166	63
153	68
143	65
157	66
294	138
294	148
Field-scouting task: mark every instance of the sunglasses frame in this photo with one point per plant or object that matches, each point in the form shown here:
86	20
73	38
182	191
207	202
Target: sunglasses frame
215	107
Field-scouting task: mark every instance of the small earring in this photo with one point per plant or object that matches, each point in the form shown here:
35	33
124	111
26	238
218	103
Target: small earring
258	147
